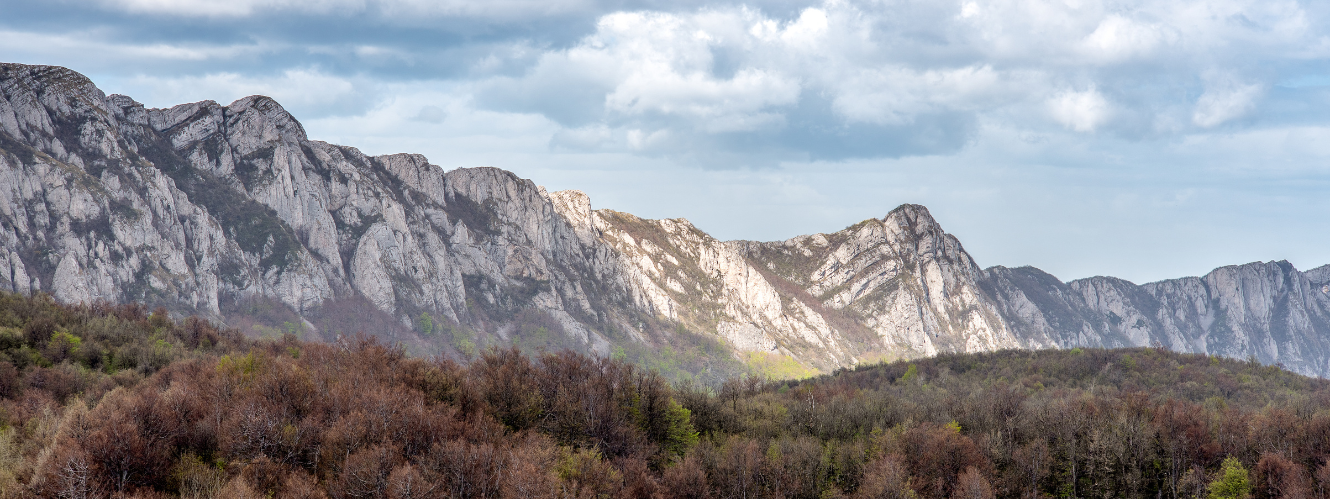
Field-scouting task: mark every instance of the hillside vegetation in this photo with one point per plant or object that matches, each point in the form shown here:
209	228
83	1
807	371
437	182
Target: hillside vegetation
117	401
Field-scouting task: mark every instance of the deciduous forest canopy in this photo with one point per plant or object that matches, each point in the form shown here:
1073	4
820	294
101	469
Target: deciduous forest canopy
118	401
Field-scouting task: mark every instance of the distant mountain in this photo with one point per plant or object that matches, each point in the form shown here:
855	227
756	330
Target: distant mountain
233	213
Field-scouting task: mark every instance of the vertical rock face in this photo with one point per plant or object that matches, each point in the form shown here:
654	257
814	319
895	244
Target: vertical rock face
203	205
226	210
81	216
1267	311
898	286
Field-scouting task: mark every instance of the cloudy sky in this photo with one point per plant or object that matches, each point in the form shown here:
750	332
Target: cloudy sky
1144	139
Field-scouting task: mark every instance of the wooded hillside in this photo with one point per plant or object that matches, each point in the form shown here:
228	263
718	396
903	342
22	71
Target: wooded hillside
115	401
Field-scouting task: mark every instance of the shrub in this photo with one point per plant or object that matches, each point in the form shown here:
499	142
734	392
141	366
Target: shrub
38	331
196	479
1232	481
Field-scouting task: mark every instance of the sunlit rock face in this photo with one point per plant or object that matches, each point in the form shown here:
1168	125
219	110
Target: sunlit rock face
204	207
1268	311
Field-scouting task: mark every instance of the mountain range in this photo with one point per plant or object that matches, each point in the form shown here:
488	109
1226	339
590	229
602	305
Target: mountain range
233	213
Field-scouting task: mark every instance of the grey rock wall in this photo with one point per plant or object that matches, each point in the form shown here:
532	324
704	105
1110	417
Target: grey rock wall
204	208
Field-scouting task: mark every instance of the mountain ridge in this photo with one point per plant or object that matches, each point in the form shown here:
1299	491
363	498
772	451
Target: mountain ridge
233	212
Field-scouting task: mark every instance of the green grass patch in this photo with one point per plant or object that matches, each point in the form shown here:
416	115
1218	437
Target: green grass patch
776	366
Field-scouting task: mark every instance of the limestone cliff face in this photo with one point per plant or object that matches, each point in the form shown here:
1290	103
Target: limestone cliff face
231	210
895	287
890	288
202	205
1269	311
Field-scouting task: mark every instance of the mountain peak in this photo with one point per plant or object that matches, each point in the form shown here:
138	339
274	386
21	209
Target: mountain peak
232	212
266	111
914	217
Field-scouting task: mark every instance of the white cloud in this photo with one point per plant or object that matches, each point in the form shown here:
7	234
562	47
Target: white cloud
1082	111
894	95
400	9
655	66
808	30
606	139
1117	39
1179	34
431	114
720	105
593	137
93	45
832	65
306	93
1224	99
231	8
892	63
734	70
494	9
969	9
437	119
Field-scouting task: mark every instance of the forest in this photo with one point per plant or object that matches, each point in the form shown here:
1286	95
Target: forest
117	401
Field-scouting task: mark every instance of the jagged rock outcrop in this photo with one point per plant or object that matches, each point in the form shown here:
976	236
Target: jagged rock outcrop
907	286
1268	311
202	205
233	212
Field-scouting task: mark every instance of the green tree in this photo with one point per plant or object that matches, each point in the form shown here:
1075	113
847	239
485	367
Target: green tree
911	374
1232	482
679	432
425	324
63	346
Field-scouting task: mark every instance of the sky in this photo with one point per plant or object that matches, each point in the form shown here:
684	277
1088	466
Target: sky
1143	139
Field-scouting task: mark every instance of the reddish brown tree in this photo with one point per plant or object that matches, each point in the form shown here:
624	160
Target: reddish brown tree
686	479
971	484
1278	430
406	482
585	474
639	482
9	380
1186	439
464	469
1276	477
531	474
886	478
510	386
365	474
1323	479
301	485
937	454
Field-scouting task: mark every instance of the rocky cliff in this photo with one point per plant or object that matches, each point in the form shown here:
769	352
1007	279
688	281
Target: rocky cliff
231	211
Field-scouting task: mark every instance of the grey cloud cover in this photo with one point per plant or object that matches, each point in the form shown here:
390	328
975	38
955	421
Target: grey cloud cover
1144	139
